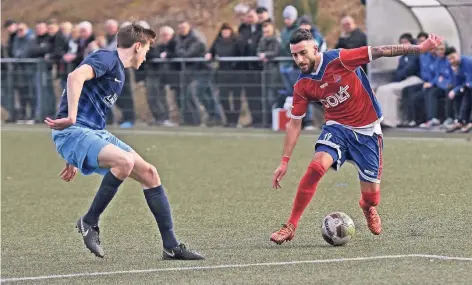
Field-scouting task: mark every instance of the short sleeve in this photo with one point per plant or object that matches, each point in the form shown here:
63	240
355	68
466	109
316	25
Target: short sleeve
353	58
100	62
300	104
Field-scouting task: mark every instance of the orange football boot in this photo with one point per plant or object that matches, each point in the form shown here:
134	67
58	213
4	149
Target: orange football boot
286	233
373	220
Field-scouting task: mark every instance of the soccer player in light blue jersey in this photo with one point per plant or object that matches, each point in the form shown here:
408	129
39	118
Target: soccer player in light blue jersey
80	137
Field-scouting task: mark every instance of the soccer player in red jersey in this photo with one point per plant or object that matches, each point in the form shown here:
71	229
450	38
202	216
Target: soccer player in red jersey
352	130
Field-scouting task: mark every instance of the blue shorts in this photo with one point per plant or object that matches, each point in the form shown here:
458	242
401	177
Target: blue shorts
80	146
343	144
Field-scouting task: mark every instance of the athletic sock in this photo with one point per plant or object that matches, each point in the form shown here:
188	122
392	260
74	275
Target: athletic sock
159	205
306	190
369	199
105	194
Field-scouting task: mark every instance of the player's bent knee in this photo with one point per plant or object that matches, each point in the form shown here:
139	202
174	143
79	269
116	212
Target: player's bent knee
151	178
324	159
317	168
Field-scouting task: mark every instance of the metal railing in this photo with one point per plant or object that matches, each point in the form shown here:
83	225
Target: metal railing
202	90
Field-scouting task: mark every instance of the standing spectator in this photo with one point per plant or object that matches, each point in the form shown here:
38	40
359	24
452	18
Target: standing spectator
67	64
66	29
462	92
58	46
59	41
251	34
86	36
269	47
43	97
8	97
241	11
287	69
188	45
124	102
158	75
263	15
406	74
23	43
43	41
351	36
11	28
306	23
111	30
227	44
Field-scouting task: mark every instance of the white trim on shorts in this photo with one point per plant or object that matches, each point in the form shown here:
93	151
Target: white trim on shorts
370	179
336	147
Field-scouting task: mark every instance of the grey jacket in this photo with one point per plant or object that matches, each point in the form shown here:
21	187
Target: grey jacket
22	46
271	48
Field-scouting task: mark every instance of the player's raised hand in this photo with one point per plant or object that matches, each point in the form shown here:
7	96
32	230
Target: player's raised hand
59	124
432	42
68	173
278	175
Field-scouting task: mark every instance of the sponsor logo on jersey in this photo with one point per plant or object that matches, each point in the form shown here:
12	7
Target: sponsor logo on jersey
110	99
337	98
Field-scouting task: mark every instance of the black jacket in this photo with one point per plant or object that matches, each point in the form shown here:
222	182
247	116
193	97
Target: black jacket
233	46
190	46
356	39
251	36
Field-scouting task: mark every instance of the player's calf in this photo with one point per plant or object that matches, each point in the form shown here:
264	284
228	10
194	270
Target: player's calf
368	202
156	198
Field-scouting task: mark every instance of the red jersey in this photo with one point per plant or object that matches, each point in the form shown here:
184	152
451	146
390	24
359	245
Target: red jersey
342	87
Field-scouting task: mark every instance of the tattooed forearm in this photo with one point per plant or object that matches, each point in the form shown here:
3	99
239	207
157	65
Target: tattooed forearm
394	50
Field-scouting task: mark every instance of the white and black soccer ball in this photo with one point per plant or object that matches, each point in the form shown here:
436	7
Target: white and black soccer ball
337	228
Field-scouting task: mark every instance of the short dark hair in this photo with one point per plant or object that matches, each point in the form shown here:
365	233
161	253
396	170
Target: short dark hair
260	10
267	23
8	23
422	35
52	21
300	35
450	50
134	33
407	36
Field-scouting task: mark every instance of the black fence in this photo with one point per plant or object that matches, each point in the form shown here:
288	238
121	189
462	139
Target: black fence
187	91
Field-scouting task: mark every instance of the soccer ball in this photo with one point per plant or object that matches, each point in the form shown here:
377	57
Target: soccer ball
337	228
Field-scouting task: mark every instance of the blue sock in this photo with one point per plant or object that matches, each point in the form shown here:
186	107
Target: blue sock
157	201
105	194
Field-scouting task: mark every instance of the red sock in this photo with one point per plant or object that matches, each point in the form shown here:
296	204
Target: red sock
306	190
369	199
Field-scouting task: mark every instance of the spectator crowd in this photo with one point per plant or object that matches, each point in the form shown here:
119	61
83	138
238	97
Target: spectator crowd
428	91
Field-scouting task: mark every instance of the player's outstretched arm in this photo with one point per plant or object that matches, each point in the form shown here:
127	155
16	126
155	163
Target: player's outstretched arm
75	83
396	50
291	137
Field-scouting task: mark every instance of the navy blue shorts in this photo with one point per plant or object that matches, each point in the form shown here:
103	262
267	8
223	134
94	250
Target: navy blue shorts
80	146
343	144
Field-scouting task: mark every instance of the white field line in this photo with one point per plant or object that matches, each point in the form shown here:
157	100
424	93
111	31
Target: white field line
233	266
255	134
